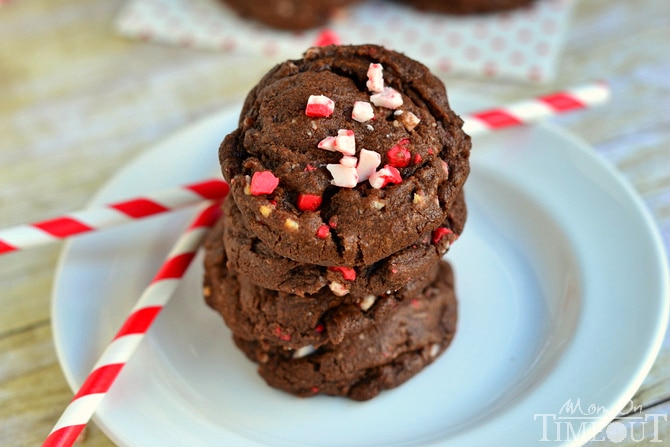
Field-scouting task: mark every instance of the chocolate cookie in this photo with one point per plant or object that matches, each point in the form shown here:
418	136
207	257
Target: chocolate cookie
291	321
345	156
380	357
289	14
463	7
252	258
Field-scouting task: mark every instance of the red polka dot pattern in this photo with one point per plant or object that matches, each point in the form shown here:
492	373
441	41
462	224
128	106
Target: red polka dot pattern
522	45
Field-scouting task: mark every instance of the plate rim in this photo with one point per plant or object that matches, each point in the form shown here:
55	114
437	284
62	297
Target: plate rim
583	148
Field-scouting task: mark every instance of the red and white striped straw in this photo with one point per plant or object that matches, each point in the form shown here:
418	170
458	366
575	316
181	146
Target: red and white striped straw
29	235
113	359
486	121
536	109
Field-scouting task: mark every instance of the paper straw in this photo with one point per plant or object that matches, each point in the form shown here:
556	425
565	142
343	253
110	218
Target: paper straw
486	121
113	359
25	236
536	109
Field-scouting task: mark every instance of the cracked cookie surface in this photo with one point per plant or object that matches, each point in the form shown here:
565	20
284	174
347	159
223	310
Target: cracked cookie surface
326	183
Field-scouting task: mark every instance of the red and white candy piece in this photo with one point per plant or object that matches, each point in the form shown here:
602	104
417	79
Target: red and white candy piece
323	231
327	37
343	176
344	142
319	106
387	175
368	162
439	233
389	98
263	182
348	161
309	202
375	78
348	273
338	288
362	112
399	156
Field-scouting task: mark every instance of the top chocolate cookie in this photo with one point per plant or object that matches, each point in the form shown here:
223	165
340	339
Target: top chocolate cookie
345	156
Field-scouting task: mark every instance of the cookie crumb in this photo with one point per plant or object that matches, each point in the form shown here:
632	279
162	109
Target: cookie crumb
362	112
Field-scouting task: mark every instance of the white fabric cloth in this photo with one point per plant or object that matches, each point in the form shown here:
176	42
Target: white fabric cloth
522	45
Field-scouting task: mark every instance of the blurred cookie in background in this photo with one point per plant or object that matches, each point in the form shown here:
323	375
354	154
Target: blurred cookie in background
464	7
289	14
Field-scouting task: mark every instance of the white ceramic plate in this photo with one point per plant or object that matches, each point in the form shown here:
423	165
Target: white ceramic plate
563	296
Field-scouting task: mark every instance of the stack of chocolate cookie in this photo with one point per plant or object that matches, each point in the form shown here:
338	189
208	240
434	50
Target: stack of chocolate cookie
346	175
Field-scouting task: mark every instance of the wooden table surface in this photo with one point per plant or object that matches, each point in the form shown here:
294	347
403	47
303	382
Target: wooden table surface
78	101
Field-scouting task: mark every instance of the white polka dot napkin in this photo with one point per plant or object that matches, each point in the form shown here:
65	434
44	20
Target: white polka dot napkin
522	45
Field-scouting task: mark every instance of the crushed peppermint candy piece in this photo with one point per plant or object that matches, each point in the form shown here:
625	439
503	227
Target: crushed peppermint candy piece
375	78
439	233
323	231
338	288
367	302
389	98
263	182
308	202
399	155
282	335
319	106
408	119
327	37
327	143
343	176
348	161
388	174
362	112
445	167
344	142
348	273
304	351
368	161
